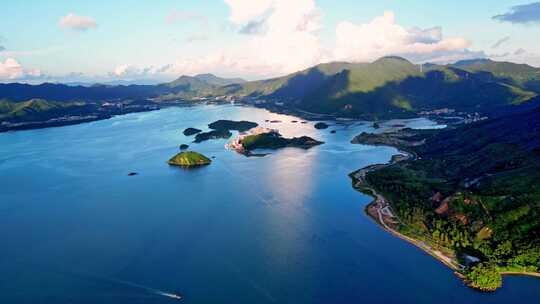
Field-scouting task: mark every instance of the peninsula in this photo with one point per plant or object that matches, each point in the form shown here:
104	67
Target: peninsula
466	195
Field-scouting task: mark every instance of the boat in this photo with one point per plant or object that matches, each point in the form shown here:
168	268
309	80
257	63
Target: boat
173	296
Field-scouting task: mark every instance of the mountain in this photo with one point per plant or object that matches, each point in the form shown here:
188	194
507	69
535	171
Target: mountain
196	86
36	109
297	85
184	86
388	87
188	83
202	81
523	75
62	92
472	191
115	83
218	81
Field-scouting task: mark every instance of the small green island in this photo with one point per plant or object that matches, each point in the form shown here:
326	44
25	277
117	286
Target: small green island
189	159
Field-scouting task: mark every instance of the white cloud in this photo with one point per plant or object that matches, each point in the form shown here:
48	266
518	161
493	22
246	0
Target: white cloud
289	42
11	69
383	36
284	37
76	22
126	70
131	72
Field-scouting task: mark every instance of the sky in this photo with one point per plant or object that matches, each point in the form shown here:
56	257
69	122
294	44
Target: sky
159	40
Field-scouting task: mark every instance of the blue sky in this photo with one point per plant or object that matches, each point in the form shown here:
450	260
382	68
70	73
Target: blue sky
161	39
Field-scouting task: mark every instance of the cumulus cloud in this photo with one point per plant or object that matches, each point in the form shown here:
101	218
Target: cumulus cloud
127	71
11	69
284	37
383	36
526	13
500	42
76	22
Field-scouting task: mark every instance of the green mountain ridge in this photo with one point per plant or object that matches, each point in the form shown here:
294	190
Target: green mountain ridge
393	86
218	81
34	109
522	75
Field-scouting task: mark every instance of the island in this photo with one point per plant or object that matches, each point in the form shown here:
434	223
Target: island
191	131
403	139
231	125
221	129
467	195
189	159
264	138
321	126
215	134
184	147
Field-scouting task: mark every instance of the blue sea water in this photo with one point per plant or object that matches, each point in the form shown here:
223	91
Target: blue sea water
285	228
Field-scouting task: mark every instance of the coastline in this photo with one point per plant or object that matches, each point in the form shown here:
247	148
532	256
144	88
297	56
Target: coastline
380	211
97	116
521	273
87	117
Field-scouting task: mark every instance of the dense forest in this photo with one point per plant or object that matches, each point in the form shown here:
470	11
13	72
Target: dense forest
473	191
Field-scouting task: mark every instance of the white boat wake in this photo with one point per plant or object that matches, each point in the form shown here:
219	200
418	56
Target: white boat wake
169	295
93	277
146	288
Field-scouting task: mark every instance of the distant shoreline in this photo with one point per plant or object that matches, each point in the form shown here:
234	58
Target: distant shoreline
91	117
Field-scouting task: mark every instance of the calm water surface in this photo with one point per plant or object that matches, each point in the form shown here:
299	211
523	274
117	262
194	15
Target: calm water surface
286	228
